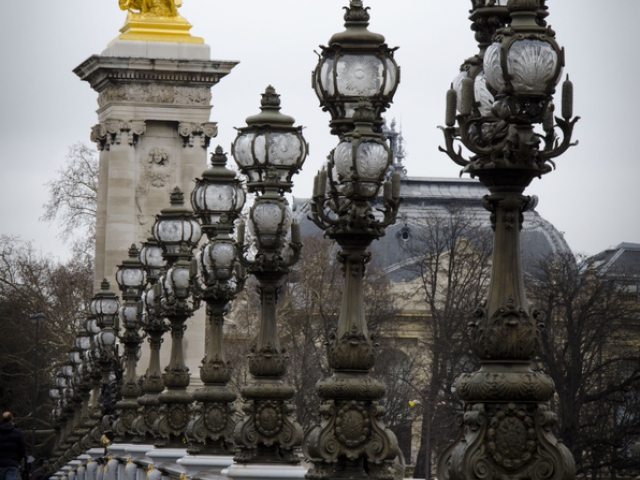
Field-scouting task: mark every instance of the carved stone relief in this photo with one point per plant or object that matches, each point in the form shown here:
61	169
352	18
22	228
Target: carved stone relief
155	93
113	131
204	131
157	171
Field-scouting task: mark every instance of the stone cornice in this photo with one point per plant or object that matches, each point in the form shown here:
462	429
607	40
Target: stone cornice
102	71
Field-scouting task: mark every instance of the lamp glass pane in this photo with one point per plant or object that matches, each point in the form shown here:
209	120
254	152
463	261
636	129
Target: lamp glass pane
169	230
240	197
196	231
493	68
326	77
242	150
284	149
259	149
149	298
532	65
151	256
457	86
372	160
129	315
133	277
74	357
343	160
359	75
483	95
219	197
223	254
106	338
267	217
180	277
109	306
84	342
92	326
392	76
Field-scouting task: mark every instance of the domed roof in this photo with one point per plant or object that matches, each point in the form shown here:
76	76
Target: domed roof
426	200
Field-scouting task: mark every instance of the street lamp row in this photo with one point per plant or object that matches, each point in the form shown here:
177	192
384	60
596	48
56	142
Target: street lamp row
500	108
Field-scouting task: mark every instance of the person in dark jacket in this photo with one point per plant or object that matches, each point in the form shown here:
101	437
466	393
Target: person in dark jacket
42	472
12	448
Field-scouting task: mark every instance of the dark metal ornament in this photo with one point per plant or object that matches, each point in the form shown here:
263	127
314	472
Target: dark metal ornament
507	424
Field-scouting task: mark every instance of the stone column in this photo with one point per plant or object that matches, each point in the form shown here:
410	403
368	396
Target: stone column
154	101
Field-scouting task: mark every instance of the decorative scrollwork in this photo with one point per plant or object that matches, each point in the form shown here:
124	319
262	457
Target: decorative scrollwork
111	132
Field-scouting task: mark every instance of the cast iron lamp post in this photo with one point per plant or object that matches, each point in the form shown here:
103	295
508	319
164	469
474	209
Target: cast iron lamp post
507	422
154	326
92	358
69	410
269	150
350	437
82	384
58	393
104	307
178	232
217	200
56	415
131	279
350	434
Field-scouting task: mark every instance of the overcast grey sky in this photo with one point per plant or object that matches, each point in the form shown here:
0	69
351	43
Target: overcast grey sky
44	107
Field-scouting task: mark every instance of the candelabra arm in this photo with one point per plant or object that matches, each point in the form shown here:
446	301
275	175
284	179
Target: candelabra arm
296	249
449	138
552	149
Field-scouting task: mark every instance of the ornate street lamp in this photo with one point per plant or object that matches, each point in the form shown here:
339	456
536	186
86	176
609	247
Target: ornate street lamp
269	149
92	357
82	387
104	307
218	193
154	326
217	200
350	436
131	278
89	385
357	64
508	422
267	433
177	232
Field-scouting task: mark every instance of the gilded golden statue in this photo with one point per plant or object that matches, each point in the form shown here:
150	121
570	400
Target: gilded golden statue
152	8
156	20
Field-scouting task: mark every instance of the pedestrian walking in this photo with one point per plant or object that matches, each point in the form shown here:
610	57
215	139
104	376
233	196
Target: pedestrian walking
12	448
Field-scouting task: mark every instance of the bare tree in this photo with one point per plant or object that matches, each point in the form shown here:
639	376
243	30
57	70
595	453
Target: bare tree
73	197
452	257
590	349
31	282
308	313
